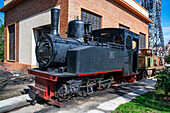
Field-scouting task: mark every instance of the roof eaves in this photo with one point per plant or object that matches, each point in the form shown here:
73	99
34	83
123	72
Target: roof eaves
10	5
133	10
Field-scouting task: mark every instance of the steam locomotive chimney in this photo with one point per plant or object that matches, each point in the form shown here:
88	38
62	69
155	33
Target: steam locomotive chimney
55	16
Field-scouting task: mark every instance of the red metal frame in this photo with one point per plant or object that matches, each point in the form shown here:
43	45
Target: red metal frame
130	77
45	82
84	74
45	85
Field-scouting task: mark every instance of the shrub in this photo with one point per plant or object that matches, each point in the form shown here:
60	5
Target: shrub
163	81
167	59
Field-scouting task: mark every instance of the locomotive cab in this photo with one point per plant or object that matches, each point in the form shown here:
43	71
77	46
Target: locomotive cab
125	41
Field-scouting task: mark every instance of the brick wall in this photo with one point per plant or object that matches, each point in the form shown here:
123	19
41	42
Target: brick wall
16	67
29	8
112	14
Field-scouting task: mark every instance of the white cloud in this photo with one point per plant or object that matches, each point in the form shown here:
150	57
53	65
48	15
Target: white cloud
166	32
167	38
165	24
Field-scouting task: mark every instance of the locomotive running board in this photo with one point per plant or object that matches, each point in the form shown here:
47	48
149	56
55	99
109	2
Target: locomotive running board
36	71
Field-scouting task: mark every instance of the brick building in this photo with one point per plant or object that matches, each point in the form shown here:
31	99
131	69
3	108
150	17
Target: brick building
25	20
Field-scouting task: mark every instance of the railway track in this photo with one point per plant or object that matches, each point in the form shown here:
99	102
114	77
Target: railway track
16	80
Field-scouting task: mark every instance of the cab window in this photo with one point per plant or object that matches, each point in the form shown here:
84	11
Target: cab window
117	39
128	42
134	45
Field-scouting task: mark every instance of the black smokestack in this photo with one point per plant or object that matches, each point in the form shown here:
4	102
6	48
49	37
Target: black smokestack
55	16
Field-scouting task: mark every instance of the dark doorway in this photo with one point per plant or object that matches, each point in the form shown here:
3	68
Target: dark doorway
12	42
149	62
135	54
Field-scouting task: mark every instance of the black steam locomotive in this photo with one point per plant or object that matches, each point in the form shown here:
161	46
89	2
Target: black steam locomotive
84	61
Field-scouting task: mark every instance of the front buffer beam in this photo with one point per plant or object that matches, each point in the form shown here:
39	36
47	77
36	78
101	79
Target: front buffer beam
44	86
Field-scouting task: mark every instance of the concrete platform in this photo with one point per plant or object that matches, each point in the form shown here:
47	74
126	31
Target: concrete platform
13	103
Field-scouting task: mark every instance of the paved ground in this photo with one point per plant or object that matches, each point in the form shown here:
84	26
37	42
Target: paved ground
100	102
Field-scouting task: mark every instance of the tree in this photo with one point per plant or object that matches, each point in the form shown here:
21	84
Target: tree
167	59
1	41
163	81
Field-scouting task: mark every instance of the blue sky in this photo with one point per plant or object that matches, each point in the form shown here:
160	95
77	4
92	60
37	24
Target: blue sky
165	18
1	14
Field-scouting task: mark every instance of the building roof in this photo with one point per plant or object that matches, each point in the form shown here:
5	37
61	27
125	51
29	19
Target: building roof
10	5
131	5
135	8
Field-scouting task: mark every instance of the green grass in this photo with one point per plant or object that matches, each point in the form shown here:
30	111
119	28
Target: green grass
151	102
